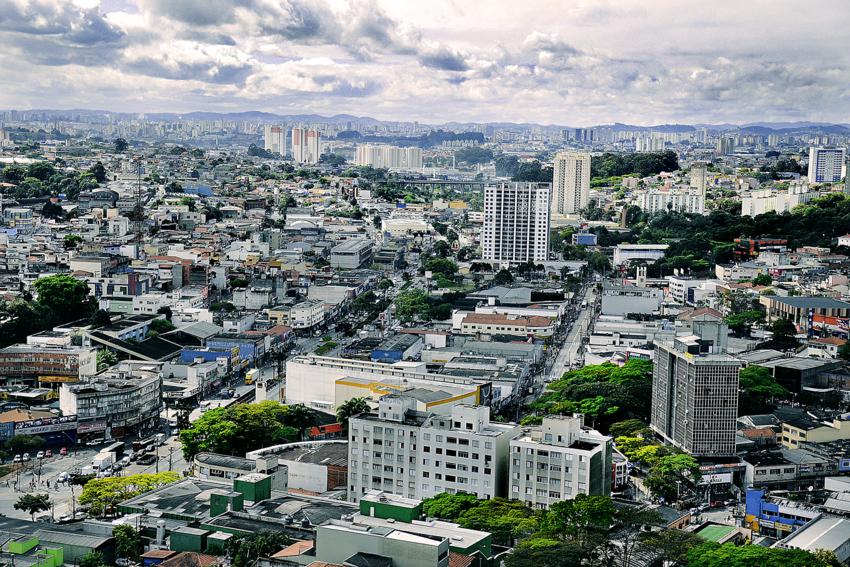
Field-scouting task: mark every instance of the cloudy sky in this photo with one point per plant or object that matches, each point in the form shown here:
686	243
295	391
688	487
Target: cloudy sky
573	62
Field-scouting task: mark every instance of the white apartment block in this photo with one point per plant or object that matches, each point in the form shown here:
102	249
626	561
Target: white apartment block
418	455
771	200
274	139
826	165
516	222
306	315
305	145
571	183
388	157
559	460
680	199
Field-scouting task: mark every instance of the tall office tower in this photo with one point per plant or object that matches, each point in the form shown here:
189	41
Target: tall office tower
826	165
516	222
698	173
274	138
305	145
570	183
695	390
725	146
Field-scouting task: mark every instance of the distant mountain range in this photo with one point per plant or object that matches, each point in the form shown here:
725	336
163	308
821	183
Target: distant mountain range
760	128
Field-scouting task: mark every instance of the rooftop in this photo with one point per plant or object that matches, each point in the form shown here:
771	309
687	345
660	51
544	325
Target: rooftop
812	302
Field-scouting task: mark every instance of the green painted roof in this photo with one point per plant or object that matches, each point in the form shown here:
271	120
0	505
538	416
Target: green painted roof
715	532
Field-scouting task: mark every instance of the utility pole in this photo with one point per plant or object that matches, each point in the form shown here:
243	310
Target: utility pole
170	453
156	453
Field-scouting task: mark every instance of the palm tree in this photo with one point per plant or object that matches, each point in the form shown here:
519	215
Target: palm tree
349	409
300	417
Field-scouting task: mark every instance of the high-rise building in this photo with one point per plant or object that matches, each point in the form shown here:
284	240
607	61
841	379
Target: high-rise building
725	146
516	222
695	390
826	165
388	157
699	169
305	145
559	460
571	183
417	454
274	138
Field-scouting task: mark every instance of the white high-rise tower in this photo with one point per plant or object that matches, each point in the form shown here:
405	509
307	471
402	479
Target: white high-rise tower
570	183
516	222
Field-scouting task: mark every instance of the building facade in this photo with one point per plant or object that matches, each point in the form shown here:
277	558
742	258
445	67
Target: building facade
558	461
418	455
274	139
826	165
695	393
388	157
305	145
570	183
516	222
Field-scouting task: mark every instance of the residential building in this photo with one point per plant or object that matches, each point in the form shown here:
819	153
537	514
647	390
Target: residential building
826	165
305	145
680	199
388	157
570	183
414	454
274	139
47	363
351	254
115	403
695	391
306	315
770	200
698	172
558	461
516	223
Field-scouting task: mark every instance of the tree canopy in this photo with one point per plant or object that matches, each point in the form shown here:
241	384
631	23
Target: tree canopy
713	554
104	494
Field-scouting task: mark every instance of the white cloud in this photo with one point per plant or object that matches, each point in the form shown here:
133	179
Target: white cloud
590	61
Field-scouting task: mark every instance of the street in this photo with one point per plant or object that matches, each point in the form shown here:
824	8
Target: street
571	349
63	495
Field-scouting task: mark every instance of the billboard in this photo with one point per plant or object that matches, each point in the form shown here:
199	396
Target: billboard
46	425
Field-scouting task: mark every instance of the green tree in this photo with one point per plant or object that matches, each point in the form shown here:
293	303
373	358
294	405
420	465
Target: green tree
100	318
844	351
674	545
412	305
740	323
447	506
98	172
106	358
758	390
120	145
128	542
577	519
238	429
33	504
728	555
628	428
349	409
247	549
506	520
92	559
598	262
536	552
663	475
160	326
300	418
71	241
20	444
41	170
762	280
783	337
103	495
65	296
503	277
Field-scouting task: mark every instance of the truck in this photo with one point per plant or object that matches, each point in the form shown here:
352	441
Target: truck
102	461
160	438
251	376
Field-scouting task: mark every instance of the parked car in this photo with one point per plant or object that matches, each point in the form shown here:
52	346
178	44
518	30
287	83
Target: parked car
39	455
26	457
17	458
123	562
48	453
63	451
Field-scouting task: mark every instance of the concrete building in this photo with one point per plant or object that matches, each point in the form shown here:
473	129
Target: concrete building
305	145
116	402
570	183
516	223
274	139
418	455
388	157
625	253
699	170
626	299
47	363
506	324
799	310
769	200
826	165
339	542
680	199
351	254
559	460
695	392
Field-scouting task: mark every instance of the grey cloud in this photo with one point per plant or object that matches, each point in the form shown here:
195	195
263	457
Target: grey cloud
207	71
195	12
444	59
62	23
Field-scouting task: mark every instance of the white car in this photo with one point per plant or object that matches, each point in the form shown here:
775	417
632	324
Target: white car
123	562
39	455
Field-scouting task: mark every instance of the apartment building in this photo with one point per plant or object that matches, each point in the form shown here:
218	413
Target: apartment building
48	363
571	183
418	455
559	460
516	222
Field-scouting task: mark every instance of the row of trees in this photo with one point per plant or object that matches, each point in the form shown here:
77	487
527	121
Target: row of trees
41	179
592	531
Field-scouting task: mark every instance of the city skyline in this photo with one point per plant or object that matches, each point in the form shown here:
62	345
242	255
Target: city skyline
602	62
